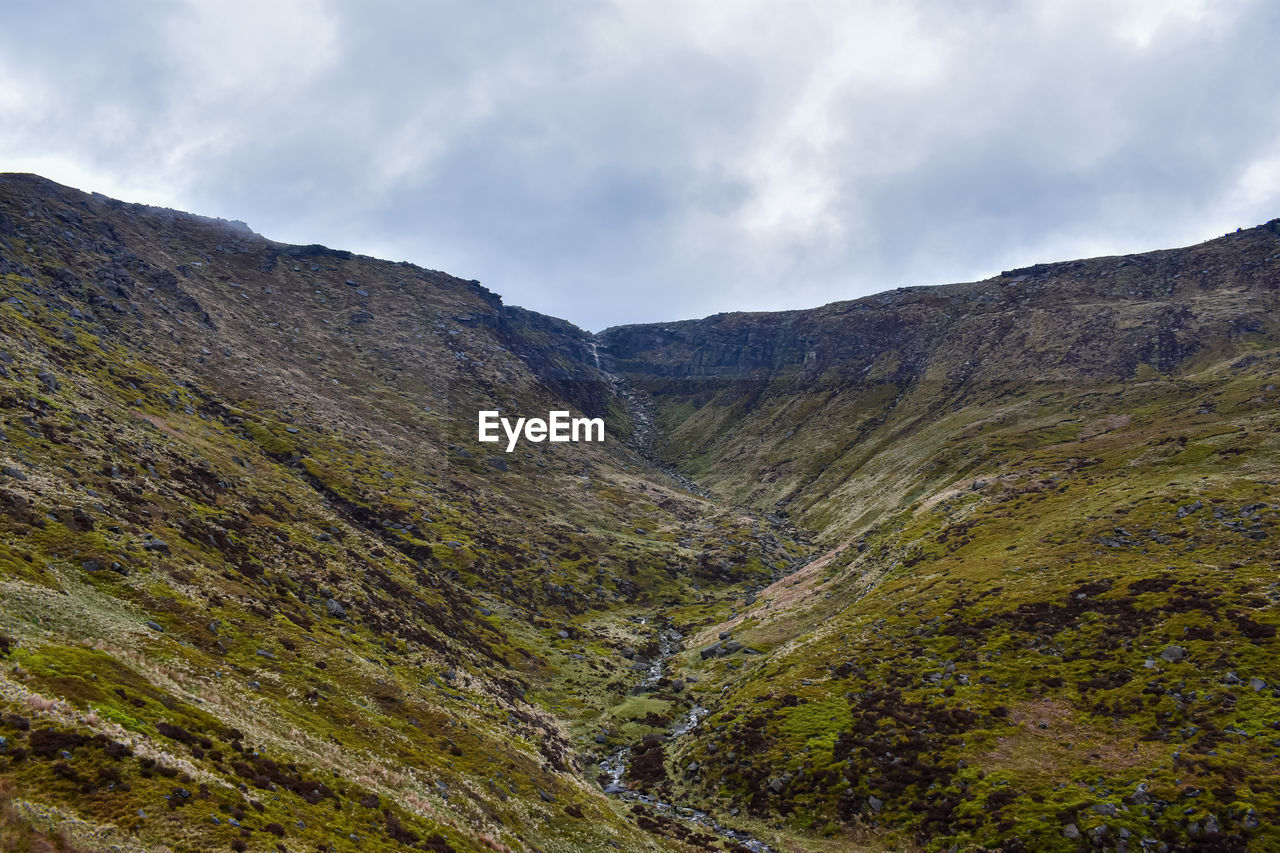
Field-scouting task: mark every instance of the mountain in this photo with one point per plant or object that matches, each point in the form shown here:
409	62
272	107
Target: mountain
254	554
981	566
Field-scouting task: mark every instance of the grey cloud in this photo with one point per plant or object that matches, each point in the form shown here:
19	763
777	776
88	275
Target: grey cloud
630	162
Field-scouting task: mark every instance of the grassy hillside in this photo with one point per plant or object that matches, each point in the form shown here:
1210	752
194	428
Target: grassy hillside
262	588
1045	616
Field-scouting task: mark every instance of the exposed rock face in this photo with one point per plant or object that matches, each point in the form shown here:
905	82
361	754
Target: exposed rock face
560	355
1100	318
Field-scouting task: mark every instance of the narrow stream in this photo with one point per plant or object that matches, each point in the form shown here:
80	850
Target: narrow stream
615	766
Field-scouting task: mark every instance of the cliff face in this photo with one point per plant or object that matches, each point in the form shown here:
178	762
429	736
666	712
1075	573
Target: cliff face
1101	318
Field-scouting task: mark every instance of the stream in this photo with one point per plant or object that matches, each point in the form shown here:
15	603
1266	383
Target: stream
614	766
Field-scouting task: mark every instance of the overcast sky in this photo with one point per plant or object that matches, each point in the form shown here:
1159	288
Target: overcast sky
619	162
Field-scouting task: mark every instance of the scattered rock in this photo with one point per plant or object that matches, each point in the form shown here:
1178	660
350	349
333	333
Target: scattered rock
1173	654
14	472
48	379
154	626
710	651
1184	511
875	803
1071	832
335	609
157	545
1257	684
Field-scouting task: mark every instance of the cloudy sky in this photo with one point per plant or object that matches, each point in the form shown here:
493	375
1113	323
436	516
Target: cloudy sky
643	160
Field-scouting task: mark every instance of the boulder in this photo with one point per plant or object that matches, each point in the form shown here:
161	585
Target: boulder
1187	509
158	545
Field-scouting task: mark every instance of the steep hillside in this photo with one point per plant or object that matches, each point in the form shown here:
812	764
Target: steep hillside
262	587
1045	615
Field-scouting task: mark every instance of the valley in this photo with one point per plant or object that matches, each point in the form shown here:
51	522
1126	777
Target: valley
979	566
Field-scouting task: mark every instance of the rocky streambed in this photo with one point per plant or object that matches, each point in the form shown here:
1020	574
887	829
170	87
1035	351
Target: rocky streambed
614	767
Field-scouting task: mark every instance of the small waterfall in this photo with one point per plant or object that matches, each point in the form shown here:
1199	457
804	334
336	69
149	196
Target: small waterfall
614	766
